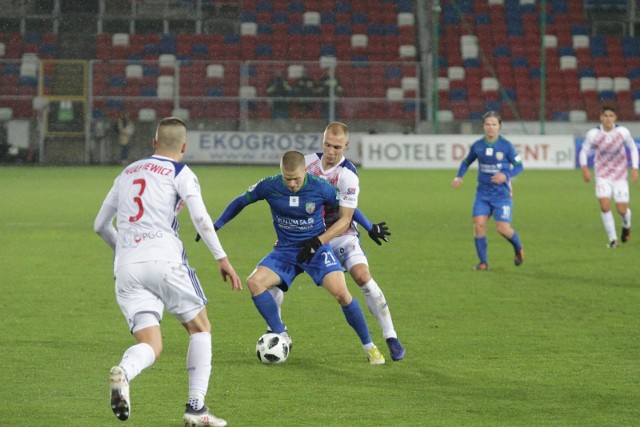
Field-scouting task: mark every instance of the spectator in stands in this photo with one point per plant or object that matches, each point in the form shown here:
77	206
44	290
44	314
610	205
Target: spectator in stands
279	87
305	88
126	128
331	89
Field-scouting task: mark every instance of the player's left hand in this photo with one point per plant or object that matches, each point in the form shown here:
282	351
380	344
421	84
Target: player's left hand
309	248
379	232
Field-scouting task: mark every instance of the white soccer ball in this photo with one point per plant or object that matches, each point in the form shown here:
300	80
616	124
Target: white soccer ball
272	348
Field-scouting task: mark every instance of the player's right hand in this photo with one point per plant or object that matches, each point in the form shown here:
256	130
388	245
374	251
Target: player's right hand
309	248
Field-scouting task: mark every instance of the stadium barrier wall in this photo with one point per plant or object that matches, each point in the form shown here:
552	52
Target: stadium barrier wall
378	151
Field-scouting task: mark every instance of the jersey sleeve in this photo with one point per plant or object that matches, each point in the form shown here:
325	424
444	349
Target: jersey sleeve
467	161
586	147
348	189
188	189
252	195
516	161
633	148
103	224
361	219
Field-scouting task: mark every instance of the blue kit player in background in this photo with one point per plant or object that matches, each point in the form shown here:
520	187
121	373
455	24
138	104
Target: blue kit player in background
498	162
297	200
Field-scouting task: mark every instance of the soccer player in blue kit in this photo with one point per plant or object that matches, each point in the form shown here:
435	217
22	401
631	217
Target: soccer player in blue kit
297	200
498	163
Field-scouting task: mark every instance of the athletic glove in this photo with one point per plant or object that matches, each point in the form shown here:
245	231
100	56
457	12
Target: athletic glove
309	248
198	237
379	232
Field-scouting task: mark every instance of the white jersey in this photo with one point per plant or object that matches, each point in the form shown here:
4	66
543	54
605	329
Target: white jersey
610	158
147	196
344	178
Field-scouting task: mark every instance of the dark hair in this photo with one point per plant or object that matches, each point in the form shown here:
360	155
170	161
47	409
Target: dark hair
491	114
608	108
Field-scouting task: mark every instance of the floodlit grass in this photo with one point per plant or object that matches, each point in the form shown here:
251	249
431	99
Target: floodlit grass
553	342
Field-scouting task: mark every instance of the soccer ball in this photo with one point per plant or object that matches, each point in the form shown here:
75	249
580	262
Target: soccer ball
272	348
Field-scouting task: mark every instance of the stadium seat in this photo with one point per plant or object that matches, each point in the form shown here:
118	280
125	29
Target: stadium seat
578	116
445	116
443	84
147	115
6	113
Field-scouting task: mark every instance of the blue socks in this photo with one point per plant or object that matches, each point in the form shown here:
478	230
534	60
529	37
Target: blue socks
355	318
515	241
268	309
481	248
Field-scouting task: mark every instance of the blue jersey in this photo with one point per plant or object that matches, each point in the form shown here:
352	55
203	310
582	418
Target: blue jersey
493	157
296	216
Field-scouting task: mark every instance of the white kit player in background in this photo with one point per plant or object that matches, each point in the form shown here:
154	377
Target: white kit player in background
151	270
609	141
332	166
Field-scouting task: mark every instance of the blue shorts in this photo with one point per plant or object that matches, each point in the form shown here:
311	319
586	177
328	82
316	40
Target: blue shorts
284	263
500	208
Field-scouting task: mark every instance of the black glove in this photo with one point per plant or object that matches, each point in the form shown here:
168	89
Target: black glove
379	232
309	248
198	237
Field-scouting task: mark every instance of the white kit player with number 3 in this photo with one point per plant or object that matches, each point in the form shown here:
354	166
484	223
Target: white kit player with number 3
151	269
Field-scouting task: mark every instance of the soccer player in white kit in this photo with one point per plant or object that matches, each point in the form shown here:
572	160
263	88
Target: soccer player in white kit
610	141
151	270
341	173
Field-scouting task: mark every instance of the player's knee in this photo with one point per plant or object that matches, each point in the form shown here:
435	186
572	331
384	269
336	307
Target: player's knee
505	229
256	287
361	278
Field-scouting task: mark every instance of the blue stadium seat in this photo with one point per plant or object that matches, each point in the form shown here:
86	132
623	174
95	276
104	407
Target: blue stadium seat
327	18
343	30
586	72
483	19
117	81
149	91
215	91
458	94
502	51
520	62
343	7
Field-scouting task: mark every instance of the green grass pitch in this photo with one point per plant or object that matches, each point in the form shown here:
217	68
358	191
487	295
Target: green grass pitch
553	342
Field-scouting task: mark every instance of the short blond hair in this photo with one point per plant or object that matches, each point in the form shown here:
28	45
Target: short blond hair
171	133
337	128
292	161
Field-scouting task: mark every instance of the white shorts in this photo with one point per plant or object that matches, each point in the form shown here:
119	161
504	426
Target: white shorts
348	250
607	189
155	286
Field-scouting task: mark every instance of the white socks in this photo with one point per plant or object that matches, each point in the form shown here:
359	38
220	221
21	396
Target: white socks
609	225
199	368
278	295
137	358
375	301
378	307
626	219
141	356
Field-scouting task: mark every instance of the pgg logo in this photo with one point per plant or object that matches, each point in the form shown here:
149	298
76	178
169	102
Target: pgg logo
147	236
133	238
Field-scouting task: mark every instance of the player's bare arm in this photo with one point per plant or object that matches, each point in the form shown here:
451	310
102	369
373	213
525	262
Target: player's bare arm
340	226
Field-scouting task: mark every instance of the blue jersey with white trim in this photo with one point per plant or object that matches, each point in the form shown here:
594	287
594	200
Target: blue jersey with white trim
296	216
495	157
